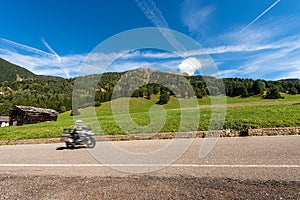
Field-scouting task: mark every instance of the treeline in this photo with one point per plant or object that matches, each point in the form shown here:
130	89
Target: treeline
92	90
136	83
55	94
248	87
146	82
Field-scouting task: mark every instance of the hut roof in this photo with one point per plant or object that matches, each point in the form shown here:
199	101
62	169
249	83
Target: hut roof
4	118
36	110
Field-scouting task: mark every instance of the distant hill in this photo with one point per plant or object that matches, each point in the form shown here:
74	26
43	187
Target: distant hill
28	89
11	72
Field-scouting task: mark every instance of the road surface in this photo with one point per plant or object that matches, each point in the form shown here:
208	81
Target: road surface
242	157
265	163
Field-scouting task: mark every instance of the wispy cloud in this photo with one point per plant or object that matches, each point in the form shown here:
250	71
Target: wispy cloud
152	12
38	61
268	50
255	57
274	60
293	70
195	14
44	63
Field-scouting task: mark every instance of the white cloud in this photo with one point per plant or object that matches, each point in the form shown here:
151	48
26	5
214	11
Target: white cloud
39	62
43	63
258	56
274	63
295	73
227	73
189	65
252	60
269	49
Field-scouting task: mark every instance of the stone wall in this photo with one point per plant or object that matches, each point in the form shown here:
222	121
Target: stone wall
155	136
201	134
274	131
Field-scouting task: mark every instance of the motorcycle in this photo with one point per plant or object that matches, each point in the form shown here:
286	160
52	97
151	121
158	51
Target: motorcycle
78	137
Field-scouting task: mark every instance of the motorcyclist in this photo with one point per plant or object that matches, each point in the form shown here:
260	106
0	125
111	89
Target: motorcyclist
77	127
79	136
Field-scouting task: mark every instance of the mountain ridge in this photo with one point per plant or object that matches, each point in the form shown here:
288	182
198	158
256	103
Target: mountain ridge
11	72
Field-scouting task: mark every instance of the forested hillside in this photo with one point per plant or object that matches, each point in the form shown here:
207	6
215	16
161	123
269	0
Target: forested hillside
56	94
21	87
11	72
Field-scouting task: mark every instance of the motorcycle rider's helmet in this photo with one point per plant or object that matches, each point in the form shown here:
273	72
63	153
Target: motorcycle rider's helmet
78	125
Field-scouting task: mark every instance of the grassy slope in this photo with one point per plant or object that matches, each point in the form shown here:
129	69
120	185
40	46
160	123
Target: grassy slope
240	114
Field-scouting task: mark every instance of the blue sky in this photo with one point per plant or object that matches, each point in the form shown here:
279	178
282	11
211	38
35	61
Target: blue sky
257	39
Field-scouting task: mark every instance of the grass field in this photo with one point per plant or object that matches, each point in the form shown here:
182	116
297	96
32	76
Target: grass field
241	113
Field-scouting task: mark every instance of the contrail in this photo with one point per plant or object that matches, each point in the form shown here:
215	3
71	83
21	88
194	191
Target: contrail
22	46
51	50
57	56
151	11
51	55
262	14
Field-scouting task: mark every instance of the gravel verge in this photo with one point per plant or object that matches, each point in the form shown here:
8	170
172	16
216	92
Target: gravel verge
143	187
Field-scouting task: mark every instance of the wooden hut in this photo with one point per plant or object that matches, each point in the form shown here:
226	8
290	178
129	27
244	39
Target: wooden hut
31	115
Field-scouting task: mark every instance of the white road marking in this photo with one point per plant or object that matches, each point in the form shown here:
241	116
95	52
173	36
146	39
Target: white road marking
149	165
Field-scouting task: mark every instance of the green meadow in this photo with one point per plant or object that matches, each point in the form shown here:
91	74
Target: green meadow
144	116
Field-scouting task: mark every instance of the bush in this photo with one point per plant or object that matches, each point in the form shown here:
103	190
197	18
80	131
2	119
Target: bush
75	112
97	104
63	109
273	93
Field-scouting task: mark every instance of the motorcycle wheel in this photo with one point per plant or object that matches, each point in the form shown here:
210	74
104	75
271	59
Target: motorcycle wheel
91	143
70	145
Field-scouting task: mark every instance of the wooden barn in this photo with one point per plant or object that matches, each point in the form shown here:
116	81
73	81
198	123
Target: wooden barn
30	115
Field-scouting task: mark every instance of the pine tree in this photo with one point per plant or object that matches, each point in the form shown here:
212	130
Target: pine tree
164	96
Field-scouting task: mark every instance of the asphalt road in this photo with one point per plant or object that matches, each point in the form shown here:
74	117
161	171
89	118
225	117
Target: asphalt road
243	158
